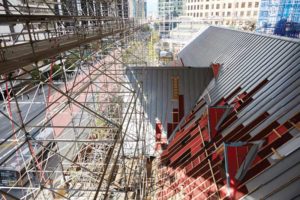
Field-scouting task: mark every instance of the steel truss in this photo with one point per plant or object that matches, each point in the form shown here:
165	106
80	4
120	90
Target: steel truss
69	130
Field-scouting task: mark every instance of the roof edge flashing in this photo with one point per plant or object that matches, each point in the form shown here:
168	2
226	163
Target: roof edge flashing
294	40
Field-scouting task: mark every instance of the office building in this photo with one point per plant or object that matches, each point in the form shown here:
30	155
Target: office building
232	13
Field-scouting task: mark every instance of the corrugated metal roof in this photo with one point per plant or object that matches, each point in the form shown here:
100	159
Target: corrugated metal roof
157	90
220	44
268	184
247	59
266	68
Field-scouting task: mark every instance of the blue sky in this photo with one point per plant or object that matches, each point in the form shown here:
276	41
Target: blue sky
152	6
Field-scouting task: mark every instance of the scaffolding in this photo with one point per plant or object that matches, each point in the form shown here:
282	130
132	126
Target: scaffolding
280	17
72	126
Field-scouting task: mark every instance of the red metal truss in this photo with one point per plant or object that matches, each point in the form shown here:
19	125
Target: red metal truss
197	150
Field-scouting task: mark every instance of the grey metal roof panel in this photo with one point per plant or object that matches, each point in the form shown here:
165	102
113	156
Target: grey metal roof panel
247	61
243	51
157	89
290	191
268	96
277	88
247	68
276	182
216	46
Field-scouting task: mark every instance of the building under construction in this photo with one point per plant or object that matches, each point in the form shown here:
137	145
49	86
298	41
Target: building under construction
280	17
85	114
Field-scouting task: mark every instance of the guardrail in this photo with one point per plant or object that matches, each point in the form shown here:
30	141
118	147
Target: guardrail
54	36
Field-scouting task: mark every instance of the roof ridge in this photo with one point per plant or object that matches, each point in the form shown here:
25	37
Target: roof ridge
293	40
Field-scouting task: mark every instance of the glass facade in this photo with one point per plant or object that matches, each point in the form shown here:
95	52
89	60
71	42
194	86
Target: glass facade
168	10
280	17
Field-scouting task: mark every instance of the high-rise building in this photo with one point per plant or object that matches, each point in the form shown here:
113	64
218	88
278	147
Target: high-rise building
168	10
280	17
123	10
145	8
235	13
136	9
141	9
118	8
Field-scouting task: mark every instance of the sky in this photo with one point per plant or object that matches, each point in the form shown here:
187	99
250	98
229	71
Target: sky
152	7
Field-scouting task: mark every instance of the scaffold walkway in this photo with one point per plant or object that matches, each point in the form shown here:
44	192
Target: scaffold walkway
71	125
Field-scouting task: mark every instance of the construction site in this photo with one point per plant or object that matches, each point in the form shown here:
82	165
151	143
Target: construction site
88	113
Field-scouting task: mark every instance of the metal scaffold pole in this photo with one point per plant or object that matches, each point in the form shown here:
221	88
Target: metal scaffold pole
70	120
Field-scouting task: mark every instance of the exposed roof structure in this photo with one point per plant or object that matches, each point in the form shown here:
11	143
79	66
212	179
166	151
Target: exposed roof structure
83	116
158	92
241	139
